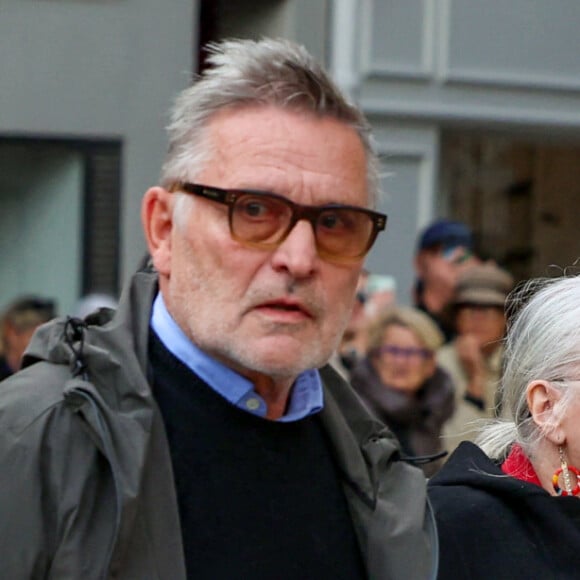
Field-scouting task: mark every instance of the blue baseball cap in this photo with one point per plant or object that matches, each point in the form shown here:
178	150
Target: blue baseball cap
446	233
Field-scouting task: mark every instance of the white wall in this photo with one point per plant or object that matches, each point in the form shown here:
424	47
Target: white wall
485	62
39	224
409	157
98	68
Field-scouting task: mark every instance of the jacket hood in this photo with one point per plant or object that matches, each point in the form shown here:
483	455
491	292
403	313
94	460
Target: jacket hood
92	345
92	374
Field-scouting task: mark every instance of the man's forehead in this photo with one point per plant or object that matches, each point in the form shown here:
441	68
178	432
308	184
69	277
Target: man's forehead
244	119
263	147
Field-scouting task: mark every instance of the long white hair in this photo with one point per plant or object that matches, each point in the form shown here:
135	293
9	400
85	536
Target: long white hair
542	343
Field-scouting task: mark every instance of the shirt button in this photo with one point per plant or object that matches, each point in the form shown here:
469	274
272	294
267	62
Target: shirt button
253	404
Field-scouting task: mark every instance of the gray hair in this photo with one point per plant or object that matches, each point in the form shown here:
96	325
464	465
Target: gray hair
256	73
542	343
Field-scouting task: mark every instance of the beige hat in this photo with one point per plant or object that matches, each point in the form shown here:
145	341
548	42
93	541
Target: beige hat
485	284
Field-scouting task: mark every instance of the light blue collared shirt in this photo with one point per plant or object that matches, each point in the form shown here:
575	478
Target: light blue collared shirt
306	397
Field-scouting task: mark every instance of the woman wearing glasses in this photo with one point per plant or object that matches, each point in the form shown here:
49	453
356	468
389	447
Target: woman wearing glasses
510	507
400	381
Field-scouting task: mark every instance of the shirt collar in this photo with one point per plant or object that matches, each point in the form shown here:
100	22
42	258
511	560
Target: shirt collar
306	396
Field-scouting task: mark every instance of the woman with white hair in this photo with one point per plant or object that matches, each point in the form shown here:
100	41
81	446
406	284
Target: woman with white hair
509	508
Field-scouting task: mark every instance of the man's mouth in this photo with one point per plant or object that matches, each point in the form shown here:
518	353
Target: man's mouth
291	307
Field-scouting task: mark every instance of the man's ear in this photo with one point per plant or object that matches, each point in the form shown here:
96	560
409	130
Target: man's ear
542	398
157	218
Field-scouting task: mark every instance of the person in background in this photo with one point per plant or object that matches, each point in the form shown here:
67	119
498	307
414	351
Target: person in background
375	293
19	321
353	343
509	507
401	383
444	251
474	358
197	431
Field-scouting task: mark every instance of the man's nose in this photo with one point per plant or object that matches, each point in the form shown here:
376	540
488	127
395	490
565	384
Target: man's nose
297	254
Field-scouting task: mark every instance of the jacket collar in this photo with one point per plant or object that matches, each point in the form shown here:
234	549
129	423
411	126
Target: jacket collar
359	440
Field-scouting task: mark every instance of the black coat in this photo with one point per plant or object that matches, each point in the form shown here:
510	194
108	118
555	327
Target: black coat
494	527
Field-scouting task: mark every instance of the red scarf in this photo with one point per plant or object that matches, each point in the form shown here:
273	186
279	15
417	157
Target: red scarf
519	466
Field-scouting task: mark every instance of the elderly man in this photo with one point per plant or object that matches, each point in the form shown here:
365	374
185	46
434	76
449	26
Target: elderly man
191	435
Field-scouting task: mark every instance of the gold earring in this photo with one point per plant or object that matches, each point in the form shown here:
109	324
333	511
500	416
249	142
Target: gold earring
564	472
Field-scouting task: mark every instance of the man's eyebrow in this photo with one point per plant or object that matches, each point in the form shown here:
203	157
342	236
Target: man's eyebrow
261	190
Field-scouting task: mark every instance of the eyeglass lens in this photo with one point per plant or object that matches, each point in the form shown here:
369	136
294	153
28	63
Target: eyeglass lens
410	352
265	220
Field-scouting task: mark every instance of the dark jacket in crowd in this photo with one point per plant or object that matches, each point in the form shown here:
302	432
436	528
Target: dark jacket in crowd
5	370
493	526
416	419
87	489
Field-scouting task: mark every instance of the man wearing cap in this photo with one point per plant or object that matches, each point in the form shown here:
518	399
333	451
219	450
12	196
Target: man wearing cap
474	358
444	250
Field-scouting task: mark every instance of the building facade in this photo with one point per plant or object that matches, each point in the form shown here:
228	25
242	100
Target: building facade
83	93
475	105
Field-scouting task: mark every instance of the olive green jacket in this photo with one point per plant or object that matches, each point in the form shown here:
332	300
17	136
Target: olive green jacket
86	484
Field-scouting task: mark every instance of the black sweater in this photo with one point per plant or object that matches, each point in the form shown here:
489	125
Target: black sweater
258	499
494	527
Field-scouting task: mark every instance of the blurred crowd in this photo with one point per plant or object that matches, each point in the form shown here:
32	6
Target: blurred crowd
431	371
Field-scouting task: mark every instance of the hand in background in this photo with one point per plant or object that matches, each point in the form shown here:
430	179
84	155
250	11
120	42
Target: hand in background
472	360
